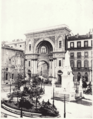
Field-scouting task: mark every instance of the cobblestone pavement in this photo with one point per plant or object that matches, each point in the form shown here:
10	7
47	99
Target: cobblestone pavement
81	109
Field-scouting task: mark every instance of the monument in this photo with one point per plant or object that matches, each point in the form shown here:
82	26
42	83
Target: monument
67	79
67	86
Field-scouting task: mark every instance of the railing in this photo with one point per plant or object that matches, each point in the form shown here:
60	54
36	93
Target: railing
82	69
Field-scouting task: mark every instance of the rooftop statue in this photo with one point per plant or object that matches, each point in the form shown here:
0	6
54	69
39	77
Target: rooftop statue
67	67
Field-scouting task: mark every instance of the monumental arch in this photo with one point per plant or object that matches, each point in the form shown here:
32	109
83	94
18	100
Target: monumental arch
45	52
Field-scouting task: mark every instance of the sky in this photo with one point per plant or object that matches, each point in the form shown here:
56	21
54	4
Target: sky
21	16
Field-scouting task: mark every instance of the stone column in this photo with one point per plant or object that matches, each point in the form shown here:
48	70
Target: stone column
36	66
49	67
54	60
32	66
89	76
53	68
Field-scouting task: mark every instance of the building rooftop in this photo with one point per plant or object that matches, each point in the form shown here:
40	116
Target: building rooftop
10	48
79	37
48	29
15	41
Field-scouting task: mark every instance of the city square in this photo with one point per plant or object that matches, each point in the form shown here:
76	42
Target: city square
48	74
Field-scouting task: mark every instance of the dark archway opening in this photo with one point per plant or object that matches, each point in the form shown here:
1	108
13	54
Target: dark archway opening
43	69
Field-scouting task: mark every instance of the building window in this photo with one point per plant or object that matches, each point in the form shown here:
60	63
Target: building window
71	55
12	76
85	43
72	45
86	54
59	62
78	64
60	43
29	63
86	63
29	47
78	54
79	44
78	76
43	49
6	69
72	63
15	45
20	45
9	61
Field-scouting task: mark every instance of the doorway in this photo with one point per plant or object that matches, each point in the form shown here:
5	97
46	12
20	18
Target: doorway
6	76
43	69
59	77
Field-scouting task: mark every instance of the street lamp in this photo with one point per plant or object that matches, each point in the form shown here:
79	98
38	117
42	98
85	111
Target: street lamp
64	103
24	71
53	84
10	84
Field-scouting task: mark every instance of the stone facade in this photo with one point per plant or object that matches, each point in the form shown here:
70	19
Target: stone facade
17	44
12	63
80	47
47	46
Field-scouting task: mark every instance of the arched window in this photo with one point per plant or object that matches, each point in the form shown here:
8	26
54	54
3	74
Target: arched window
60	43
43	49
29	63
72	63
78	76
86	76
78	64
29	45
60	71
86	63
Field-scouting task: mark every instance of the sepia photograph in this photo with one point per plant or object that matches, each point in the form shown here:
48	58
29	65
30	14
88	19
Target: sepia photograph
46	58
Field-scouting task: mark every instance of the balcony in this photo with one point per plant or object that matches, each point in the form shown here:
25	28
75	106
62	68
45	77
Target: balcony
82	69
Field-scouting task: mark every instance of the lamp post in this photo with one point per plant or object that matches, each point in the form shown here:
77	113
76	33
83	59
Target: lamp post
24	70
21	115
53	83
64	107
10	85
64	103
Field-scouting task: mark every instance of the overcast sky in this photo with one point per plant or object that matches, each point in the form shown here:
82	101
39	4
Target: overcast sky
20	16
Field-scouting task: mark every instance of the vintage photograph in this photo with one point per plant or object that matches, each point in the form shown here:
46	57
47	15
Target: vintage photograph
46	58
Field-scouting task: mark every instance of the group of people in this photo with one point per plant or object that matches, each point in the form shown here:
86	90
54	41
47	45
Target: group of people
86	85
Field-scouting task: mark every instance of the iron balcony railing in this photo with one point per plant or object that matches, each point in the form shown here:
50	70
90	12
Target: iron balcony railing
82	69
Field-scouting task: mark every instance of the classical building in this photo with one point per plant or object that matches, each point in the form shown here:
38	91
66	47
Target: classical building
81	55
12	63
17	44
45	51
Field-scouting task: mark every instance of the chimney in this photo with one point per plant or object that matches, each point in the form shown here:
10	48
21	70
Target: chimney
89	34
77	35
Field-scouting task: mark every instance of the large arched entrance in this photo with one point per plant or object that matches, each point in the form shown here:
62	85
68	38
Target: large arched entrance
43	69
44	49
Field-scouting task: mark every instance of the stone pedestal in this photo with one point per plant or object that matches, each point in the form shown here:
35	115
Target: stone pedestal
68	85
